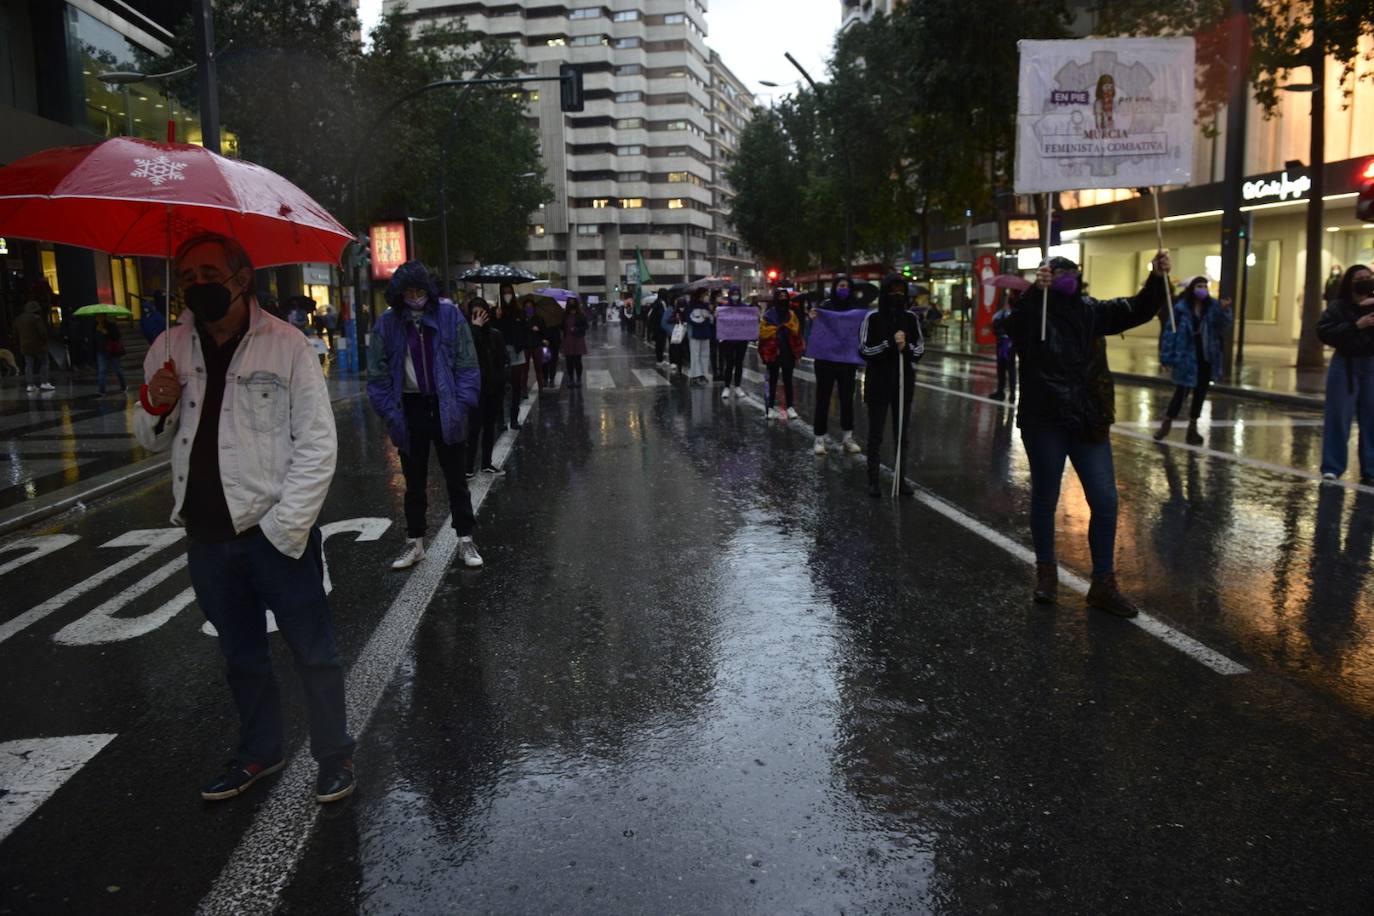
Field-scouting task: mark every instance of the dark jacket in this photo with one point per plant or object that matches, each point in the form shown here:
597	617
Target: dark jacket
515	330
492	361
1336	328
1065	381
883	358
32	330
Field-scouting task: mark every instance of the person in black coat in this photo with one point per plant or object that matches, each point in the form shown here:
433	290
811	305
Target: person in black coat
492	361
890	337
1348	325
1067	407
515	333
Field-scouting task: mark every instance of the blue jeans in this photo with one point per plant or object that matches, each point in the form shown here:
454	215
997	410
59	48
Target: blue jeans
1344	405
104	362
235	581
1046	449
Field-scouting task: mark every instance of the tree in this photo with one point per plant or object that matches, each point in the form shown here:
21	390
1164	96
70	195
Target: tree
768	181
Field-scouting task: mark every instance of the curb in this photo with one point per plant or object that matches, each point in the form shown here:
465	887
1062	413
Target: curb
1310	402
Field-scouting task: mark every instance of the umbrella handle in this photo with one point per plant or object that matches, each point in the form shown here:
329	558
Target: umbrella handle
157	410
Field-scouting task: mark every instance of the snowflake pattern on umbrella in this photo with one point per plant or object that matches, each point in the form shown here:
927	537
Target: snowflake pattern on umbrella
158	170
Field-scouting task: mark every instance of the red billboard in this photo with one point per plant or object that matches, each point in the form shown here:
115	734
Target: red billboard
388	248
984	269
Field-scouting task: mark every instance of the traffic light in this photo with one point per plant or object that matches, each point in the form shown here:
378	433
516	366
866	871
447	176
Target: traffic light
772	275
569	88
906	271
1364	204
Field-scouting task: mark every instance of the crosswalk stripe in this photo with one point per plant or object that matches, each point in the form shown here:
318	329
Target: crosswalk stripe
649	378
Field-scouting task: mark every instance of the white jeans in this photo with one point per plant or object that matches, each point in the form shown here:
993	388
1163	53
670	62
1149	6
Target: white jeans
700	351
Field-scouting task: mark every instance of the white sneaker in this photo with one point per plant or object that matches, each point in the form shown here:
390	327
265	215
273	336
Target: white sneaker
725	395
820	445
792	413
468	551
414	553
739	392
47	386
30	389
1328	477
850	445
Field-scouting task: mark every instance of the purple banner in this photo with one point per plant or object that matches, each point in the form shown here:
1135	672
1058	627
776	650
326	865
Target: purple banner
835	336
737	322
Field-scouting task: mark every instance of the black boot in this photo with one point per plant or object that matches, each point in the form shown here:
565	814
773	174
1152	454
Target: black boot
1164	428
874	490
1193	437
1105	596
1046	583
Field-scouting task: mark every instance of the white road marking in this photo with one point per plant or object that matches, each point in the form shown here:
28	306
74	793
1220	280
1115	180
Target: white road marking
1150	624
37	546
152	540
599	379
102	626
649	378
32	769
1218	424
268	852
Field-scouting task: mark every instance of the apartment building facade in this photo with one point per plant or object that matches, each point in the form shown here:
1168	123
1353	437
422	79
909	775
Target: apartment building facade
642	167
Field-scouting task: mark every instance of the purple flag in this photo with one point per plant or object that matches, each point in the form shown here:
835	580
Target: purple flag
835	336
737	322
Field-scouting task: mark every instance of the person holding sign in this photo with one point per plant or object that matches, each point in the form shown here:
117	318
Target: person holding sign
891	343
1067	408
780	349
833	344
736	325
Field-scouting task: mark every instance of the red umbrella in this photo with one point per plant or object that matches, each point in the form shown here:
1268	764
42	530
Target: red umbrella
135	197
1008	281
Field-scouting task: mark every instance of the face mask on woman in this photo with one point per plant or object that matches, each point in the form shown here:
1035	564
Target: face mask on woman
842	293
506	298
416	302
1200	292
1363	288
1066	285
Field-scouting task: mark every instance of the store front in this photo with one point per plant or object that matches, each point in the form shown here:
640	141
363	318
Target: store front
1116	241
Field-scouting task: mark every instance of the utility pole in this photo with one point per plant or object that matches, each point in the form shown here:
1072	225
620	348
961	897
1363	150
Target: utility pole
204	24
1310	354
1237	116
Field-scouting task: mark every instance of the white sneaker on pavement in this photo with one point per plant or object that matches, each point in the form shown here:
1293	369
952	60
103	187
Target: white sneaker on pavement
47	386
792	413
414	553
739	392
725	395
850	445
820	445
468	551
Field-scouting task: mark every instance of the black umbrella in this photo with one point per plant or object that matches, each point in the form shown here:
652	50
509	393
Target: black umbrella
498	273
865	294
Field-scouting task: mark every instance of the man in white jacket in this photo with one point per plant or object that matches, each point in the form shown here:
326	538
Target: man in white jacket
248	485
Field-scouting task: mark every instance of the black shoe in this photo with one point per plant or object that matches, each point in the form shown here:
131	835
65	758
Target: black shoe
998	395
468	475
1367	481
874	490
494	470
906	489
1105	596
514	425
236	779
1046	583
335	781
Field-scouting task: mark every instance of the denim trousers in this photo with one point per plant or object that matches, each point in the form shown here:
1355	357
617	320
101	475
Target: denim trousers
235	582
1343	406
104	363
35	369
1046	449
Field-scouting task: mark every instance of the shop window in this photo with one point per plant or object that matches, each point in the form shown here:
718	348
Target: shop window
1262	281
50	269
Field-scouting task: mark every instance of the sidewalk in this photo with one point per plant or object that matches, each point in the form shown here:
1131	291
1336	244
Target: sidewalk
71	445
1269	373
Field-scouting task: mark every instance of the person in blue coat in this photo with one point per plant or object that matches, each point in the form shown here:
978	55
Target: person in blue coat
1194	351
424	381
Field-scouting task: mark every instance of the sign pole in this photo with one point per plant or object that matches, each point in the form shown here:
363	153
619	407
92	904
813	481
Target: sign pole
1045	249
1159	237
901	409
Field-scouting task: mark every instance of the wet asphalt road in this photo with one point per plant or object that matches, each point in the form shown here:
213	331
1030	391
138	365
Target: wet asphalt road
703	672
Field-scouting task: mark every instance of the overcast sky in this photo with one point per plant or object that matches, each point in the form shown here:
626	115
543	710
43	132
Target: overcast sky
750	36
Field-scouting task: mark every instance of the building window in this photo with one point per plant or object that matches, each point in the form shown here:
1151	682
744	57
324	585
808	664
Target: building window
537	230
556	43
583	41
600	203
630	176
629	123
676	203
588	229
626	16
632	150
631	203
627	42
675	125
672	254
635	96
674	19
629	70
585	12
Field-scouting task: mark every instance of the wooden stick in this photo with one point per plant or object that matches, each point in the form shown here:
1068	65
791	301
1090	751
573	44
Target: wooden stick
1159	237
901	409
1045	293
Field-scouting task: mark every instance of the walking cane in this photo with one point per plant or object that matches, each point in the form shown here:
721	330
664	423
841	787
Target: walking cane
901	412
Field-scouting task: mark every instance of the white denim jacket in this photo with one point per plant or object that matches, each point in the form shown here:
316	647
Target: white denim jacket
277	442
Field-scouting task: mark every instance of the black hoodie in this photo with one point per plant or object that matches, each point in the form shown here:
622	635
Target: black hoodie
880	352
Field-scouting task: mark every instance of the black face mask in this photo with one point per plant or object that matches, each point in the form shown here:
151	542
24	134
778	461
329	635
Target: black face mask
1363	288
894	300
209	302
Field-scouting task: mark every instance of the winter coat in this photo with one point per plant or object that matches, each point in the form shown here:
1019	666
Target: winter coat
457	376
575	335
882	357
1065	381
515	331
491	359
701	324
32	330
769	327
1336	328
1177	349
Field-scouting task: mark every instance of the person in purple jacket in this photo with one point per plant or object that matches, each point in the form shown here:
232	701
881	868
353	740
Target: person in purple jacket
424	381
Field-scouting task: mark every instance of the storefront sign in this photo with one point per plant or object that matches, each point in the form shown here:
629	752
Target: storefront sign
317	275
1104	113
388	249
984	269
1281	188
